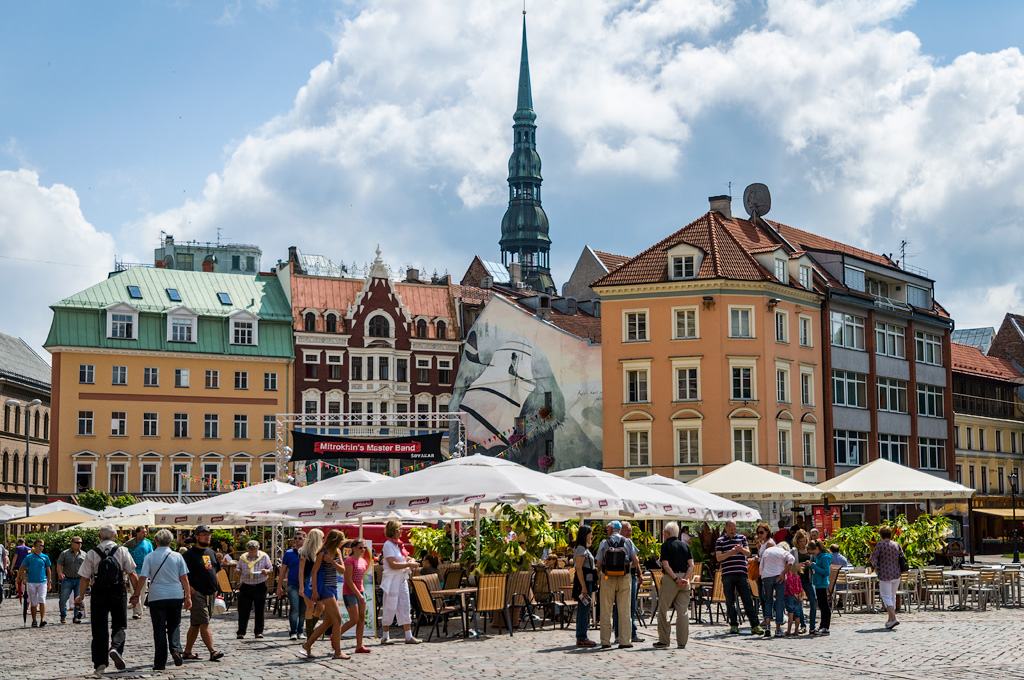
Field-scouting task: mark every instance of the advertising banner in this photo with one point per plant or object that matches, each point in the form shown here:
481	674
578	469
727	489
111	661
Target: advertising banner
827	521
421	448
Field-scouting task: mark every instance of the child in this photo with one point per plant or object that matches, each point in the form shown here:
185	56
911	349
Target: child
794	605
821	572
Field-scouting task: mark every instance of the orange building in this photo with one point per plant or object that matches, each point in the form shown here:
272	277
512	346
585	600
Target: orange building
712	353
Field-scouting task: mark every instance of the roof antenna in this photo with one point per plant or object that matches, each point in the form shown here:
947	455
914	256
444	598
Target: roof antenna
730	189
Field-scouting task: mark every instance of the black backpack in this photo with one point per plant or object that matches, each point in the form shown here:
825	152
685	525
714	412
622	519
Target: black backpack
615	562
109	576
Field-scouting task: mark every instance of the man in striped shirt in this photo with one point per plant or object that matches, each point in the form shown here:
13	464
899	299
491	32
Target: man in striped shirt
732	552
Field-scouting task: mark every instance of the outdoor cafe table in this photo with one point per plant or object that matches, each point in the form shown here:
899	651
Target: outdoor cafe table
871	578
461	593
962	576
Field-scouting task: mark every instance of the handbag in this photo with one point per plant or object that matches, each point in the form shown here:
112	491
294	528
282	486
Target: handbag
753	570
904	564
145	602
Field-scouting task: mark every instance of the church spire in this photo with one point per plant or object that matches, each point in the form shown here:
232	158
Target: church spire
524	229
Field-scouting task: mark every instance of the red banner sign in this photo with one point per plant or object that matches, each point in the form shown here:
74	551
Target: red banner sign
366	447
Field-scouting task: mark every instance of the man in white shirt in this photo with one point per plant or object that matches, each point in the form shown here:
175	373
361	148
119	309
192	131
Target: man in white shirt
108	597
774	563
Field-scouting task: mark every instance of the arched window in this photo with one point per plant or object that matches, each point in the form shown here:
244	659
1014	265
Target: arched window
442	329
35	471
46	426
379	327
35	432
421	329
46	470
6	461
17	420
332	323
15	475
310	322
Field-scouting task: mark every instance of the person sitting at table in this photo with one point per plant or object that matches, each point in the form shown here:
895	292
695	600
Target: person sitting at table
838	557
886	560
430	565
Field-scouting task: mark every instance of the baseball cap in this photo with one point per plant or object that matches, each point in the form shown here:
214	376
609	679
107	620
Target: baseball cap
201	529
615	524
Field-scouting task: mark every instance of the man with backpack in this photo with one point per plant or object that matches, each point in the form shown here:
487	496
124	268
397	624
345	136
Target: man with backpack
615	556
109	569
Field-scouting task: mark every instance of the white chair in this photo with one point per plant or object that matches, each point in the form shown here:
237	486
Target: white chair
984	587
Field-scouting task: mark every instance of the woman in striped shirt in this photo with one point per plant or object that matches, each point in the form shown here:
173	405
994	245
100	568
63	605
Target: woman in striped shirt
324	587
253	568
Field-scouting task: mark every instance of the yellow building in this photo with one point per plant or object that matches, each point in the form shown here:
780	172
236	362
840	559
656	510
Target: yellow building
165	377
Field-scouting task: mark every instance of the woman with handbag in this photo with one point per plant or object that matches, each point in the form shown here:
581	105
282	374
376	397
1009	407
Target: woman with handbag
584	584
886	558
168	590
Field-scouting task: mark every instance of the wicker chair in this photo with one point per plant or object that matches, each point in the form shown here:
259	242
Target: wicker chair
542	596
490	598
453	578
225	589
517	594
560	580
432	609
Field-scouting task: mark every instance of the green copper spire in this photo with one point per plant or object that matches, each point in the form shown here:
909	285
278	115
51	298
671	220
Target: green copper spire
524	229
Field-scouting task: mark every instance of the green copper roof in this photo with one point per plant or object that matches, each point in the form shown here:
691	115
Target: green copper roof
80	320
524	106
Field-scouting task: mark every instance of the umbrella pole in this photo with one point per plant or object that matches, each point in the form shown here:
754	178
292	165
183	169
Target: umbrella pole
476	530
360	528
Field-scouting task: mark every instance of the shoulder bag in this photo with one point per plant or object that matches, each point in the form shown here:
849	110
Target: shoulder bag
145	603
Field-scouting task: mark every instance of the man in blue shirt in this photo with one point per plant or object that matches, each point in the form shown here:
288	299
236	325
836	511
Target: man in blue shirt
139	547
35	572
290	575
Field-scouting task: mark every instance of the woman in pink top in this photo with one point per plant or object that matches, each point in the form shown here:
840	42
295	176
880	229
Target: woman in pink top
352	592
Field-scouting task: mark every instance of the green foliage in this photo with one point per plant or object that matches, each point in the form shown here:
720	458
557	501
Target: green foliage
56	542
94	500
218	535
534	533
697	551
430	541
124	501
920	540
599	534
646	543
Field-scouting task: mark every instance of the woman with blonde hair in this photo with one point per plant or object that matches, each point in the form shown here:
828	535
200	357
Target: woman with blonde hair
307	557
395	584
324	589
352	591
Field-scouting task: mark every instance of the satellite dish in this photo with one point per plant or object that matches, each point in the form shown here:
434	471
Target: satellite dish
757	200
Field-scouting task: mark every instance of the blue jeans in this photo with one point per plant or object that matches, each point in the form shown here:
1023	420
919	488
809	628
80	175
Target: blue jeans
812	602
69	586
583	620
774	598
296	610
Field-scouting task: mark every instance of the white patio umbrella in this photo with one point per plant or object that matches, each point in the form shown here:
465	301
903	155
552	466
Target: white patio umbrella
721	508
218	509
140	508
644	502
886	482
742	481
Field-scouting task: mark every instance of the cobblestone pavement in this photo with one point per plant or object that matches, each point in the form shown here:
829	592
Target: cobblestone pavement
927	646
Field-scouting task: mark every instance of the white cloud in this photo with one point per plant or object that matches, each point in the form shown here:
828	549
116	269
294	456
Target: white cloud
49	252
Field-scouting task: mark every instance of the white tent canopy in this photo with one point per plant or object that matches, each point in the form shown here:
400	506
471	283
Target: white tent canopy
140	508
882	481
225	508
55	506
742	481
642	502
722	509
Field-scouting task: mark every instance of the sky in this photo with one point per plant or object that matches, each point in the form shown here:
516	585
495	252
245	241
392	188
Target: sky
339	125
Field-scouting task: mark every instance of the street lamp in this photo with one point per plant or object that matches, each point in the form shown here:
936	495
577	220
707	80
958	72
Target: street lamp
1013	502
28	490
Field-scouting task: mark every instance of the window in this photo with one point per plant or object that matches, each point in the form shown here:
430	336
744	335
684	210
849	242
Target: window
636	326
686	384
851	448
781	327
149	472
849	389
784	447
444	371
357	368
270	382
683	267
250	263
382	368
981	439
743	444
636	386
118	424
984	480
999	473
739	323
1013	442
402	370
959	474
686	324
309	322
122	326
808	449
782	385
211	426
239	473
210	473
149	425
999	441
890	340
917	297
179	473
241	427
312	364
173	295
893	447
932	453
310	407
421	329
181	377
423	409
269	427
742	383
224	298
332	323
638	448
423	370
236	262
970	438
380	328
119	375
86	374
805	277
970	472
854	278
269	471
181	330
688	441
241	380
242	332
805	332
806	388
781	271
929	403
892	395
442	329
181	426
847	330
929	348
118	477
150	377
85	423
333	367
134	292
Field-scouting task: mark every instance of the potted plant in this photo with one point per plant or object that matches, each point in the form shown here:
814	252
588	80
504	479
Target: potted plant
431	541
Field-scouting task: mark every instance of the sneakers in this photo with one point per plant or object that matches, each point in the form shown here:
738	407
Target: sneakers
756	630
581	643
892	624
136	617
629	646
42	623
778	633
604	646
387	641
118	660
823	631
413	641
100	670
637	638
660	645
239	636
63	619
258	636
735	630
293	636
803	629
768	632
813	631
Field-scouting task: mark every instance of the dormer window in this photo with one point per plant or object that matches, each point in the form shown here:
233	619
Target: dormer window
182	325
122	322
781	271
332	323
244	328
805	277
570	306
684	267
544	302
310	322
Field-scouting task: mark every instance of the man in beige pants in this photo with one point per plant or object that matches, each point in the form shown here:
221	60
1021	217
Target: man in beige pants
616	587
677	563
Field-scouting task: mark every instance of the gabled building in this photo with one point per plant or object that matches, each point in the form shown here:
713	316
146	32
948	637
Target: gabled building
166	379
1008	342
24	377
592	265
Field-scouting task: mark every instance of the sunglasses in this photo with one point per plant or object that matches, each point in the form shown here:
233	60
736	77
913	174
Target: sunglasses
76	542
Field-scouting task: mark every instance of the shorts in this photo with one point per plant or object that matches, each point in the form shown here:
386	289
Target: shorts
793	604
36	593
202	609
329	593
351	600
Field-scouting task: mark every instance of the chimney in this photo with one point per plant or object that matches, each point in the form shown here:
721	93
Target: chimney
486	282
515	272
168	240
207	266
722	204
412	275
160	264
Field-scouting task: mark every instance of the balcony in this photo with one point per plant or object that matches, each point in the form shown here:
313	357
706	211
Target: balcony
971	405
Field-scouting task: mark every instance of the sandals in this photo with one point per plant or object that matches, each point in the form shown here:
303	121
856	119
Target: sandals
216	656
190	656
342	655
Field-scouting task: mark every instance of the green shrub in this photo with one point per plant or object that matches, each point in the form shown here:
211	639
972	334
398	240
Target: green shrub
56	542
124	501
95	500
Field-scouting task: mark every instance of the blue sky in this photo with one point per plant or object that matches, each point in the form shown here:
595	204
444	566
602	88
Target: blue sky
336	125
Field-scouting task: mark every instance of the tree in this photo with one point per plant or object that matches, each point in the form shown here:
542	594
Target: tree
124	501
94	500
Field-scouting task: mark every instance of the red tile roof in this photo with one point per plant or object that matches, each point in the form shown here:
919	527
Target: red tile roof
611	261
325	292
804	239
969	359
